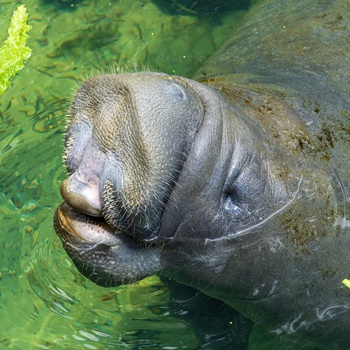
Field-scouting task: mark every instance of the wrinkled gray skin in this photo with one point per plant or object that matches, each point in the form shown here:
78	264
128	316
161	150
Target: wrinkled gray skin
236	183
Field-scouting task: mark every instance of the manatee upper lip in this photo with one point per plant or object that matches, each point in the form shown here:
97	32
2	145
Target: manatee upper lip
81	196
73	224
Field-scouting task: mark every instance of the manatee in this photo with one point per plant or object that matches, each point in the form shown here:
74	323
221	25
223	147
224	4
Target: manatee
235	182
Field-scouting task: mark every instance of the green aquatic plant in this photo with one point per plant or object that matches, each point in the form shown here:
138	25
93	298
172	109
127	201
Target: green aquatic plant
14	51
346	282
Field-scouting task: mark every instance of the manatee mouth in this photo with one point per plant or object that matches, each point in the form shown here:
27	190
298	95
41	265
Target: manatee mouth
74	226
84	216
103	254
109	209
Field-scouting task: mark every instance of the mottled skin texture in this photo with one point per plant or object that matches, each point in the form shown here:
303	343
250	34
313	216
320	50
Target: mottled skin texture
236	183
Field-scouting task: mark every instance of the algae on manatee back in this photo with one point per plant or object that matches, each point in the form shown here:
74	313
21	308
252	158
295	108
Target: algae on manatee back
14	51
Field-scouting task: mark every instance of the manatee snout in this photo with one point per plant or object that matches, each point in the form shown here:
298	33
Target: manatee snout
127	141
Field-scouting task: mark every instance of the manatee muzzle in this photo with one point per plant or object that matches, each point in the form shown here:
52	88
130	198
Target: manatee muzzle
126	145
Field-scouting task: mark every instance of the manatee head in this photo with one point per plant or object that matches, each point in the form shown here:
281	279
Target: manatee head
158	166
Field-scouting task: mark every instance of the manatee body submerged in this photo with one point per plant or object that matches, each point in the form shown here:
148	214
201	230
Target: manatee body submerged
235	183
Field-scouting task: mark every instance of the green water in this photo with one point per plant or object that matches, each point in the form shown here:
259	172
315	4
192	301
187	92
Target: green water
44	302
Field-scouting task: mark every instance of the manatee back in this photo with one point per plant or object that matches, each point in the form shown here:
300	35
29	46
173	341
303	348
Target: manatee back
301	43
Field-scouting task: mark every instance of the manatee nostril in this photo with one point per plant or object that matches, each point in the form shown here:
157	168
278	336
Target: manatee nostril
81	196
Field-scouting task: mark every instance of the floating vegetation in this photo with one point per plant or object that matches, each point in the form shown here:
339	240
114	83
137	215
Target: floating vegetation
14	51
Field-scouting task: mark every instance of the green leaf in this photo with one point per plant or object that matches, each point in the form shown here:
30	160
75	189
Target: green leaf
346	282
14	51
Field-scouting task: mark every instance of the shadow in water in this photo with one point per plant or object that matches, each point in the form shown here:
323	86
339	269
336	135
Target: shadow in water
216	325
200	8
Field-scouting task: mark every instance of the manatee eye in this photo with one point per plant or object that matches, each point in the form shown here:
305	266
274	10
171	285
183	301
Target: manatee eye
232	201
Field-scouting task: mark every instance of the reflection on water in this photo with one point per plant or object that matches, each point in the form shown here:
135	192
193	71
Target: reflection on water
45	303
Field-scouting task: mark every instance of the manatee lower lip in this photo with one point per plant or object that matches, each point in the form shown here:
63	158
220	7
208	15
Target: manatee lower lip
71	222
